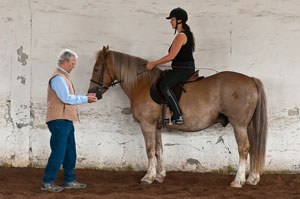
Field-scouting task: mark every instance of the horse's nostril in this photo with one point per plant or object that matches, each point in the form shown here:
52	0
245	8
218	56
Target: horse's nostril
98	94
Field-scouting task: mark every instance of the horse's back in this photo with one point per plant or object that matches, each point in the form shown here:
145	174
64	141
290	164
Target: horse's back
219	86
223	85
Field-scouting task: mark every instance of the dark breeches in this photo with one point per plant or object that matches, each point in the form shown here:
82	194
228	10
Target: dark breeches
172	78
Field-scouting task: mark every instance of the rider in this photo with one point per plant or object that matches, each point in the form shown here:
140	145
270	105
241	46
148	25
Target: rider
181	55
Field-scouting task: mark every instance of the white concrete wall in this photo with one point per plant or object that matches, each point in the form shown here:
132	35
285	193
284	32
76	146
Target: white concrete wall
257	38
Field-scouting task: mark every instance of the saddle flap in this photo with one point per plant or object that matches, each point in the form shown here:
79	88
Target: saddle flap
158	97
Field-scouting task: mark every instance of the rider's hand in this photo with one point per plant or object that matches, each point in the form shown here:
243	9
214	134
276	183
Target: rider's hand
92	97
150	65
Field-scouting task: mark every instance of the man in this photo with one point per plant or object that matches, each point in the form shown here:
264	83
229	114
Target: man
61	113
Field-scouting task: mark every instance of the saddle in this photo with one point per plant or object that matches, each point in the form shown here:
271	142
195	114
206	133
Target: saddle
159	98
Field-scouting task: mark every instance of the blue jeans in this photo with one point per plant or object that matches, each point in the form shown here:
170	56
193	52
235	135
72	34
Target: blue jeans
63	151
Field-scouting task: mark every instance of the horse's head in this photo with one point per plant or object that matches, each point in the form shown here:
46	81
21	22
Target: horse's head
103	75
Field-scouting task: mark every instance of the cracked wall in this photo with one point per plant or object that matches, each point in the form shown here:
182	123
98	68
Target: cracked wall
255	38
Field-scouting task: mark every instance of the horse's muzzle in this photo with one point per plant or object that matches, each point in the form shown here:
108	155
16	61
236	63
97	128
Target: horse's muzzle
96	90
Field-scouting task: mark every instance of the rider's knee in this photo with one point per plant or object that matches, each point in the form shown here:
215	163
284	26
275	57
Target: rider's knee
163	88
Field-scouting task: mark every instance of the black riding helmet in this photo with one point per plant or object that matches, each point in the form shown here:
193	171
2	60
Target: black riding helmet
179	14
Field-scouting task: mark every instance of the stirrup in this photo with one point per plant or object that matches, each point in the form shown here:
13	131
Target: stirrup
167	121
174	121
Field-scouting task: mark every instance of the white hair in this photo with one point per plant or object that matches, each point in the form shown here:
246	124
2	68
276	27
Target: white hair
66	54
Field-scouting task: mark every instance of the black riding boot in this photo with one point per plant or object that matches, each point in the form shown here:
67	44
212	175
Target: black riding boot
173	105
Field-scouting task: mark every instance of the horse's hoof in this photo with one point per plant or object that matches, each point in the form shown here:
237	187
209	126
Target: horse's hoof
145	182
252	180
251	183
237	184
159	179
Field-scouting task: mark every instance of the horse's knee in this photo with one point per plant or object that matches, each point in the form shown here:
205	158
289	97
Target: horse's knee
150	151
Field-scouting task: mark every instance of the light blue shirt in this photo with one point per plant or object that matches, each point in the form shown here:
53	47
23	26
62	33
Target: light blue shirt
60	86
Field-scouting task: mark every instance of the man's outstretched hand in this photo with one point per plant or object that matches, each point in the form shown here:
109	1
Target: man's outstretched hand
92	97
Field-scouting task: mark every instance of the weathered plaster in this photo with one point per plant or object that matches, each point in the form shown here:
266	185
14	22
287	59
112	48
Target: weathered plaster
257	38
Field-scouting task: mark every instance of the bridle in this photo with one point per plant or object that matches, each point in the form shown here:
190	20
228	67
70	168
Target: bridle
100	81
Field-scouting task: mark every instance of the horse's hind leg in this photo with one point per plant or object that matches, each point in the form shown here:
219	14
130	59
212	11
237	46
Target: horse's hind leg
254	176
149	131
243	147
160	170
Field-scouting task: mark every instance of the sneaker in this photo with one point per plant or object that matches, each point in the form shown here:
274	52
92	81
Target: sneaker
168	121
171	121
74	185
52	187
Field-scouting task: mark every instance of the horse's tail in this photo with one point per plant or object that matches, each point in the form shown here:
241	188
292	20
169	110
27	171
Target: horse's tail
257	130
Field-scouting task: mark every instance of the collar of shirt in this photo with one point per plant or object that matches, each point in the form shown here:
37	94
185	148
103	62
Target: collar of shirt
62	69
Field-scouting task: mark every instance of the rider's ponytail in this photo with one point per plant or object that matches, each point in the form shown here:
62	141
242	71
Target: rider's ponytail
188	30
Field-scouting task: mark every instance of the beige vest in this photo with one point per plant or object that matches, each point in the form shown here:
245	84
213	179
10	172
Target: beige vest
56	108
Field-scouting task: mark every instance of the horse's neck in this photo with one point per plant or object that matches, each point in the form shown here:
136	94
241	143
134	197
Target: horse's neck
133	82
126	91
142	86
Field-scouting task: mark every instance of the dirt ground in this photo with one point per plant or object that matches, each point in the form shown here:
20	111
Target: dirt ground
25	182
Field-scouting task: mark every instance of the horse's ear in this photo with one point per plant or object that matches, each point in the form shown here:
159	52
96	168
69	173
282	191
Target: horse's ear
104	51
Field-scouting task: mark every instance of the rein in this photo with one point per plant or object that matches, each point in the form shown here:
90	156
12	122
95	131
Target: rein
165	66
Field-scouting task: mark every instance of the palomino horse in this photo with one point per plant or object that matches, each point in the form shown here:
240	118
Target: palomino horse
228	94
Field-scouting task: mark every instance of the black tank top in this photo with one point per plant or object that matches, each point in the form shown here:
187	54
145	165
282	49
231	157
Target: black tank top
185	54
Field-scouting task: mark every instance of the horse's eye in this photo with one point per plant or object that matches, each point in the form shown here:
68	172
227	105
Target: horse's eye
95	70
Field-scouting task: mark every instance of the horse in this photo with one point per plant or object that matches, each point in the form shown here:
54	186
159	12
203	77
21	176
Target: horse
239	98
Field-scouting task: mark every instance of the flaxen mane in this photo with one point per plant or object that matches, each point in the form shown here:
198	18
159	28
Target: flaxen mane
126	68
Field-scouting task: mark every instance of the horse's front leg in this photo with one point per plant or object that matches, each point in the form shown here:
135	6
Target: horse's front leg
149	131
160	170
